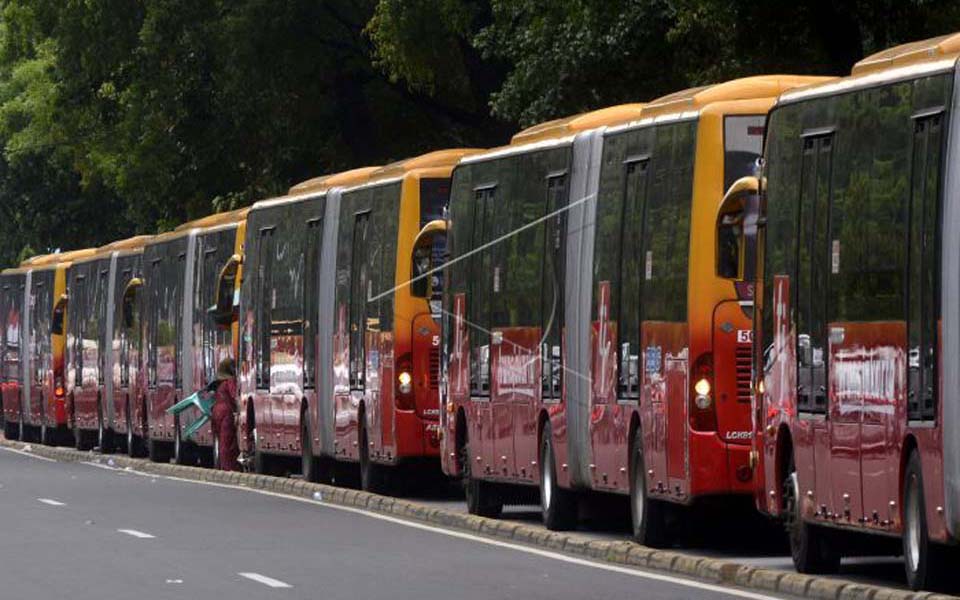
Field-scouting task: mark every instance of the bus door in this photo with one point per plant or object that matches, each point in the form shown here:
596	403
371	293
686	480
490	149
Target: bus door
39	355
664	341
621	302
268	428
826	354
552	297
509	347
360	283
923	295
481	287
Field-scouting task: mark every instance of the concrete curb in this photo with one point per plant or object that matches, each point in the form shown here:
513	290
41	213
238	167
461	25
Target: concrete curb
709	570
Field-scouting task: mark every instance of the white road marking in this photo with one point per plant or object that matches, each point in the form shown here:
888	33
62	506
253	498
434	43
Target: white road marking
51	502
267	581
30	454
137	534
634	572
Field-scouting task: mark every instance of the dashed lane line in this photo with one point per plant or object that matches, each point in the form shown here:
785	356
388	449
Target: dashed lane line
267	581
634	572
51	502
137	534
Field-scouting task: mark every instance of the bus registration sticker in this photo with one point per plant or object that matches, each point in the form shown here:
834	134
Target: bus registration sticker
653	359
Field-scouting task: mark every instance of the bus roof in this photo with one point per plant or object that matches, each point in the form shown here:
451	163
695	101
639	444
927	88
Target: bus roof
567	126
47	260
223	218
325	182
933	49
437	158
745	88
134	243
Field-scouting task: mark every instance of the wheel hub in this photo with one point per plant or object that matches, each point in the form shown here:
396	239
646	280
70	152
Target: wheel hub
912	525
547	481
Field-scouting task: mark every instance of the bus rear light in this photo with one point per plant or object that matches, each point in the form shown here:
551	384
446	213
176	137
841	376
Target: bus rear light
404	396
703	410
404	379
702	387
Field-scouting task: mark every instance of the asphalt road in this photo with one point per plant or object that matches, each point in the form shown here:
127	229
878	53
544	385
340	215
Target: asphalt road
84	531
739	534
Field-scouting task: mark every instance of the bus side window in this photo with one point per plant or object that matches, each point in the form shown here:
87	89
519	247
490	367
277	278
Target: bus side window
479	298
924	267
311	300
633	210
264	303
359	293
815	176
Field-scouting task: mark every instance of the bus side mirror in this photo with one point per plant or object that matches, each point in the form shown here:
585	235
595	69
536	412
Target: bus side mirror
129	302
59	315
226	300
429	254
738	225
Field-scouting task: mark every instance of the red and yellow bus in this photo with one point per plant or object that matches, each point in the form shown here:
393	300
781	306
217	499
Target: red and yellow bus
123	381
35	385
590	343
91	301
276	306
342	352
858	329
182	341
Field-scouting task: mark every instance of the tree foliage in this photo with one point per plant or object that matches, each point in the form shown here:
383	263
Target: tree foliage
129	116
567	56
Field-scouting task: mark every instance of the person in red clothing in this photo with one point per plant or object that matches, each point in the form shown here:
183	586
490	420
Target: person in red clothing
222	417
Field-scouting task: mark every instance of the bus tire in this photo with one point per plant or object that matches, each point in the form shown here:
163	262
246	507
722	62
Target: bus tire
809	547
483	499
11	430
373	477
314	468
83	440
263	463
184	453
104	433
215	453
925	562
648	516
158	451
559	506
134	442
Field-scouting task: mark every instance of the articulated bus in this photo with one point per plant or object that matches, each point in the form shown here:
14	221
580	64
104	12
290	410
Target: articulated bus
590	343
90	301
123	383
281	319
182	341
11	311
340	356
34	387
858	332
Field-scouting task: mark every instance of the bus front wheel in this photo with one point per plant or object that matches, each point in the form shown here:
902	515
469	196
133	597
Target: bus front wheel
809	547
649	516
559	506
482	498
926	563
